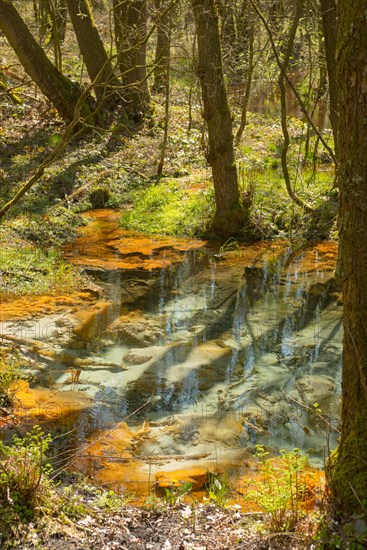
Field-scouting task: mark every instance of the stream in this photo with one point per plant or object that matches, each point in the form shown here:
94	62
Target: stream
180	355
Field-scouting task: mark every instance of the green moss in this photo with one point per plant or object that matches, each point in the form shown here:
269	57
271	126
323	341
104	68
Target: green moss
349	473
168	209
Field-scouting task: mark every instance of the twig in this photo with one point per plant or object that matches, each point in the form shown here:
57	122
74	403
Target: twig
312	410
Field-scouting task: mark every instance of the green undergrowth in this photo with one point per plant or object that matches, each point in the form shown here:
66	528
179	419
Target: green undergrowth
30	270
53	228
10	373
281	489
25	486
167	208
29	491
274	213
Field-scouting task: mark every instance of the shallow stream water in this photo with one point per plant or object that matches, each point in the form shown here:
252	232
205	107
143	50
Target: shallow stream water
189	355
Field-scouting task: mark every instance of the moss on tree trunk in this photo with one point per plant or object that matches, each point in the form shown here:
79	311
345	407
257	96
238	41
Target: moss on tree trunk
350	472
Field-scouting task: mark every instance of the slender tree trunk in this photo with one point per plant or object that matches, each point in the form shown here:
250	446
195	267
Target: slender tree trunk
57	13
283	103
167	88
329	25
62	92
230	215
60	19
93	51
130	17
349	480
246	97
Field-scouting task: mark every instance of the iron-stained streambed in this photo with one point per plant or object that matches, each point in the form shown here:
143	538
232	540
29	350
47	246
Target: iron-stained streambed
179	355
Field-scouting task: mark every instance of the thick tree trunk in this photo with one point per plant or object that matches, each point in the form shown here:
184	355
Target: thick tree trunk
93	51
162	51
62	92
350	473
230	215
130	17
329	27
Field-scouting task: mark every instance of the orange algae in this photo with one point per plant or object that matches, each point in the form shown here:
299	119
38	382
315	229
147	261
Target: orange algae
109	460
46	404
197	476
103	244
89	320
30	306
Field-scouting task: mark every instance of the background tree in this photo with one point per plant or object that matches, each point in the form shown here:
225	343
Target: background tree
329	27
62	92
350	474
130	17
162	51
93	52
230	215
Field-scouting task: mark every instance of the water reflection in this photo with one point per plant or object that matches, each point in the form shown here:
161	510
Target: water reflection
217	352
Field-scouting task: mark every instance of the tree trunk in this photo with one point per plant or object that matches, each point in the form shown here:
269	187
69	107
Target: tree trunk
162	51
329	27
349	481
230	215
60	19
93	51
62	92
130	17
246	96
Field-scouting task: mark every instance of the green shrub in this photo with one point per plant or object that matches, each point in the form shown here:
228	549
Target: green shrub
282	486
25	487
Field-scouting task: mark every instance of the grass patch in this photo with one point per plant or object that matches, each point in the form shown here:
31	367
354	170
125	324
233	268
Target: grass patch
168	209
30	270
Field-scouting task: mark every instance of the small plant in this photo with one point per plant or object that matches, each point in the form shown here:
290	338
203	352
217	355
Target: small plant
175	495
71	505
25	487
281	489
109	500
218	489
9	374
231	245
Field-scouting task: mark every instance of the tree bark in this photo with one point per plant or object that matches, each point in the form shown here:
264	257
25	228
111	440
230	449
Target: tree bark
62	92
230	215
329	27
93	51
130	18
349	480
162	51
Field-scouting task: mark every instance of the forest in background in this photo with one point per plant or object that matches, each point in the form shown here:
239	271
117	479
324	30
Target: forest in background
150	131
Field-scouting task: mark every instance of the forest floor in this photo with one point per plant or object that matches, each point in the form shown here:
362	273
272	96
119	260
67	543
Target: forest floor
203	527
